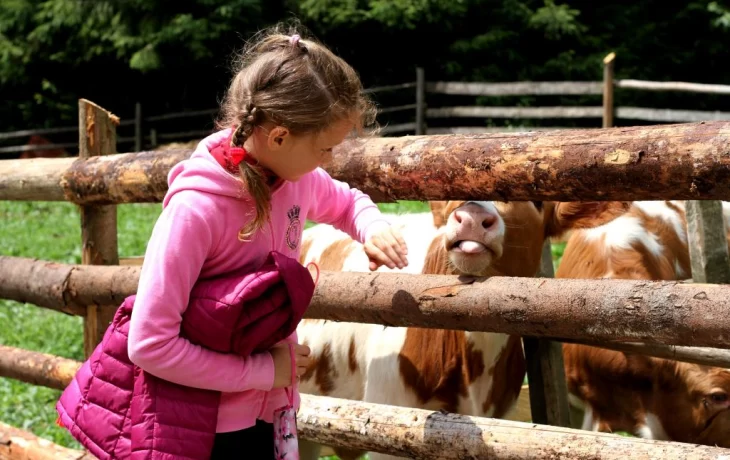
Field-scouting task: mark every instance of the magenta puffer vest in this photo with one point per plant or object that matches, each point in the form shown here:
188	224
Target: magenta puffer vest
118	411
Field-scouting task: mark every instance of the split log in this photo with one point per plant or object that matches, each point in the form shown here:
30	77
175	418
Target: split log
673	162
668	312
417	433
16	444
97	137
37	368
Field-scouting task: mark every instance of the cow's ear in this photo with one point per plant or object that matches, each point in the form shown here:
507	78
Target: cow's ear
564	216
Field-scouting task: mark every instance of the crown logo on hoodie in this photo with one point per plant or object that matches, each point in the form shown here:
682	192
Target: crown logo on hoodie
293	213
293	233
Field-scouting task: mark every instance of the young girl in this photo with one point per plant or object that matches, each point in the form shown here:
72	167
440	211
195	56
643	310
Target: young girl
245	191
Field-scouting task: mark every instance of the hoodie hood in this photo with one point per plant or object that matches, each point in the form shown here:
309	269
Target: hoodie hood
201	172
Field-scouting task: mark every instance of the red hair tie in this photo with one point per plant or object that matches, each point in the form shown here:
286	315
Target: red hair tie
237	155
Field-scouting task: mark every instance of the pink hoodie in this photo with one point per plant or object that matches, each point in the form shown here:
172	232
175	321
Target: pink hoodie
197	236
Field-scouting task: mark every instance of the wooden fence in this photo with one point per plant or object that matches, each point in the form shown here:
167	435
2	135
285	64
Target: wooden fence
147	131
637	162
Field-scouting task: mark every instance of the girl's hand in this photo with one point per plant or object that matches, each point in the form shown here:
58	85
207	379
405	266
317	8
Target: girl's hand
386	247
282	363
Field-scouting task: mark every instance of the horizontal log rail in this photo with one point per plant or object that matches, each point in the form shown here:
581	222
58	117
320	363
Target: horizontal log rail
682	161
37	368
17	444
667	312
417	433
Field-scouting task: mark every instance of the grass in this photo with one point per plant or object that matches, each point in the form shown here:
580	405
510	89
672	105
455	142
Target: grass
51	231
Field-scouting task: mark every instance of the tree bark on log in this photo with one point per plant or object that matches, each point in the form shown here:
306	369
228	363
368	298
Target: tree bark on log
417	433
16	444
37	368
668	312
672	162
63	287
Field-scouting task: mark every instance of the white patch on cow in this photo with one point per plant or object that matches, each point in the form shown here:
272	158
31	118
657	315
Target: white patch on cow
588	423
652	429
322	236
660	210
491	346
680	274
623	233
576	402
418	231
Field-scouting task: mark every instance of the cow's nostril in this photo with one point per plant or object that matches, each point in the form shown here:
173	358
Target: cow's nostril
488	221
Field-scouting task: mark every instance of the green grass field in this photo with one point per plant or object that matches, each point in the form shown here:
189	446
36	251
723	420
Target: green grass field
51	231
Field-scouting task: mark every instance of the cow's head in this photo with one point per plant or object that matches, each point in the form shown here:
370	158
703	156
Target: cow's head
693	402
485	238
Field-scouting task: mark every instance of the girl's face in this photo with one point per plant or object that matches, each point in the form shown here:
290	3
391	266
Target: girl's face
291	156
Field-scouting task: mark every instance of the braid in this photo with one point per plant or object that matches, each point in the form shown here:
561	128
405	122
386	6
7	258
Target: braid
253	177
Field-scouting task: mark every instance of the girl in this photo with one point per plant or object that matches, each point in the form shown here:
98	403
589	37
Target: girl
245	191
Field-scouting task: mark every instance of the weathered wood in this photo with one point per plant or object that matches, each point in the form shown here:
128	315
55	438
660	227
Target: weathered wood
673	86
669	312
708	249
669	115
33	179
608	65
37	368
417	433
17	444
522	88
65	288
627	163
545	368
97	137
515	112
489	129
696	355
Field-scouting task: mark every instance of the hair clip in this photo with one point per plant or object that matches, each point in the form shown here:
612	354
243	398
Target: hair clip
294	40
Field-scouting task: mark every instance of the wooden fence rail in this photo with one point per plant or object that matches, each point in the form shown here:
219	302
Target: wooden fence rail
379	428
16	444
663	312
417	433
674	162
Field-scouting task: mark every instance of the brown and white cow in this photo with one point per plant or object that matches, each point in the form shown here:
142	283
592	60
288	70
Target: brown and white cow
36	139
649	397
470	373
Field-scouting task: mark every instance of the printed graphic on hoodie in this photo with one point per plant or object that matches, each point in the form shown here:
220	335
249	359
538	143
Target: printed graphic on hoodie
293	233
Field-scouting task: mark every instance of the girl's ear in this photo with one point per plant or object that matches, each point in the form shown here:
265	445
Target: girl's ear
277	138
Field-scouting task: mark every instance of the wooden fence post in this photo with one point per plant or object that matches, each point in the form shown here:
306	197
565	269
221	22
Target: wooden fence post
608	90
420	101
97	136
153	137
545	369
707	240
138	134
